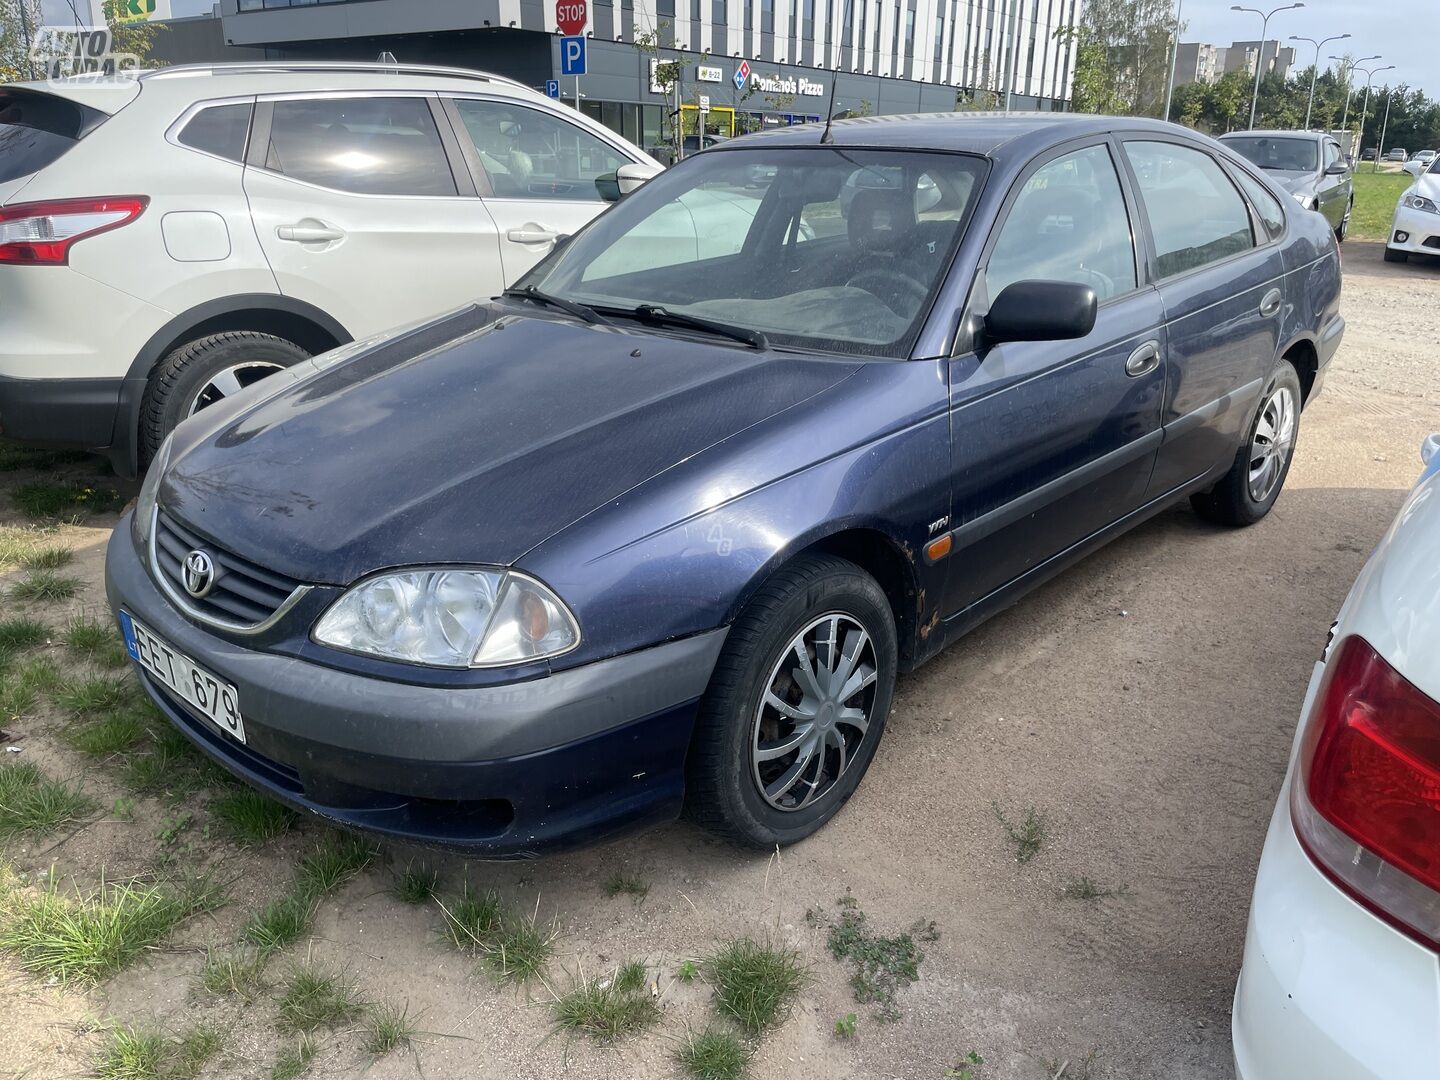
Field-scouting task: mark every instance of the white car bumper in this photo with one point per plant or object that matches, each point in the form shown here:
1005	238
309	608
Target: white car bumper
1327	990
1421	229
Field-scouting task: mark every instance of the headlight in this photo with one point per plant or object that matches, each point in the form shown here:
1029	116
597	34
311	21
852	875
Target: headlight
144	518
1419	202
450	618
1307	202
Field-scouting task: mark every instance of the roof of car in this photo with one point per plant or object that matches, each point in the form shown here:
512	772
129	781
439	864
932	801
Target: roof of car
1273	133
963	132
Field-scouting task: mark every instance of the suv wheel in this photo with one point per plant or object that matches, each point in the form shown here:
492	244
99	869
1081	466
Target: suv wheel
1247	492
796	706
204	372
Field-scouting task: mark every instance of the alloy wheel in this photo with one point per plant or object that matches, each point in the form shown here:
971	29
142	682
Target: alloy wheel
815	712
1271	445
231	380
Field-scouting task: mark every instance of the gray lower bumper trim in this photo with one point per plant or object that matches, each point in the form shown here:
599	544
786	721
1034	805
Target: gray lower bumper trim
356	712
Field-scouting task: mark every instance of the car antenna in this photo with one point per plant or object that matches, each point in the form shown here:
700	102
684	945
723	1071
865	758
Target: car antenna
825	137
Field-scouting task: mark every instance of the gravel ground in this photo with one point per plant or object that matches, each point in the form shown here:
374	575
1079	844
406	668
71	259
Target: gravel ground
1143	704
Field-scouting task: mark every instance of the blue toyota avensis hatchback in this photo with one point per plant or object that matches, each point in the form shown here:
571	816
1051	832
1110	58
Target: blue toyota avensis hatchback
660	527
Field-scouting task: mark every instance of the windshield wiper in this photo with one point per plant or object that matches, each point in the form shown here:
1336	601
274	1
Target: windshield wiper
570	307
660	316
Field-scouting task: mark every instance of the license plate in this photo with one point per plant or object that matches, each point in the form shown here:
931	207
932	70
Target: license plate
209	695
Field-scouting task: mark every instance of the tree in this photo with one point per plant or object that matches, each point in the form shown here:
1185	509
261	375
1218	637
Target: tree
20	20
1122	56
132	37
666	74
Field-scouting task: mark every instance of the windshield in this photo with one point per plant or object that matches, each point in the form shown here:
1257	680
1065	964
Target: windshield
1282	155
819	248
36	128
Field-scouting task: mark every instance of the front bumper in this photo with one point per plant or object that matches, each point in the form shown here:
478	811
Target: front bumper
1420	228
1328	991
500	771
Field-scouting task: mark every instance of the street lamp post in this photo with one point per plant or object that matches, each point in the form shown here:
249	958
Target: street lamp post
1260	52
1346	67
1174	56
1365	107
1315	71
1389	97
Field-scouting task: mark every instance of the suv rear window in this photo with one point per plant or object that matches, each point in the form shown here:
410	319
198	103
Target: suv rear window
36	128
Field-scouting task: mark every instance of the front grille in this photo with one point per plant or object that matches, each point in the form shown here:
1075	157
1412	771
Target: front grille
1433	242
243	594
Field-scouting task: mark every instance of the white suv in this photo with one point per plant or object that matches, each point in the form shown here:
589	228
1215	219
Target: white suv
168	239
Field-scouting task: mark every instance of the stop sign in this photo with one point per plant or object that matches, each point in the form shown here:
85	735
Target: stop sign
571	15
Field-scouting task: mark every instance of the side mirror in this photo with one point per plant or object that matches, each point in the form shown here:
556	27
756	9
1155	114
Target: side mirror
608	185
1338	169
633	176
1040	311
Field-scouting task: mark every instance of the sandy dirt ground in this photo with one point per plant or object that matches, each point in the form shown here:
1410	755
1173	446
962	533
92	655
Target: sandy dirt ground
1143	703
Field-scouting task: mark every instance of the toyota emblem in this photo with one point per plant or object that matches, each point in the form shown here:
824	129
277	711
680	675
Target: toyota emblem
199	574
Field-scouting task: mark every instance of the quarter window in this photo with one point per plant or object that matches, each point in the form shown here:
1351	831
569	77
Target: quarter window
221	130
1196	216
370	146
528	154
1266	205
1069	223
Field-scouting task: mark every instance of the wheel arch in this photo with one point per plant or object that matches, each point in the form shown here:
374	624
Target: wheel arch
296	321
1304	357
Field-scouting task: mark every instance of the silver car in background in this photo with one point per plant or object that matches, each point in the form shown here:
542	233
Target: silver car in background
1307	164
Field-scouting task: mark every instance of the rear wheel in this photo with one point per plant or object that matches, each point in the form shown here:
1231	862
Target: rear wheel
204	372
796	706
1343	229
1246	493
1391	255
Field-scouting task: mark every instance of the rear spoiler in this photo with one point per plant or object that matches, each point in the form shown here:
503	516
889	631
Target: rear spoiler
103	95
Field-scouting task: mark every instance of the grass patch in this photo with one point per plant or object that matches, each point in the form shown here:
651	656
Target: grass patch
315	998
21	633
714	1054
1376	196
754	984
608	1009
45	587
86	939
295	1059
131	1054
113	735
337	859
1027	836
91	697
32	803
282	921
96	641
882	965
14	458
387	1027
22	687
845	1026
47	558
1083	888
621	884
42	500
194	1049
250	818
514	948
416	884
169	765
17	543
238	972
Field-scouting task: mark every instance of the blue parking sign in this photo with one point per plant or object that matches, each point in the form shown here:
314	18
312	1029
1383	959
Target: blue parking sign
572	56
552	88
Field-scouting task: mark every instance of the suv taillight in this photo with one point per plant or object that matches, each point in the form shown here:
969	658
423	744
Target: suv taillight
42	233
1366	802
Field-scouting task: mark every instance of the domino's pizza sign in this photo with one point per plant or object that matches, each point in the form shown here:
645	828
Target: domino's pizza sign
742	75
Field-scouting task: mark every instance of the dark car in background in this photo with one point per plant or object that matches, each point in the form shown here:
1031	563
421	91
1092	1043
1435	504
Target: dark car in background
662	526
1307	164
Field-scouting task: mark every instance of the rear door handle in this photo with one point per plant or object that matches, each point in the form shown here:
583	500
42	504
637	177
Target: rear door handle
1271	304
309	232
532	234
1143	360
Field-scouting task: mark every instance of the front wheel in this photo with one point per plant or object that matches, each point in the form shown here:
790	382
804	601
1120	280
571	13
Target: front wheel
1343	229
796	706
1246	493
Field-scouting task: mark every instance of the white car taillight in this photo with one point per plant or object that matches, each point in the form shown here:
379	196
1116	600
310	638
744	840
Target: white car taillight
42	233
1366	798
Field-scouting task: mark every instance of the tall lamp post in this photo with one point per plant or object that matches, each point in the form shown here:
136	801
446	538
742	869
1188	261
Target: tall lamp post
1365	107
1315	71
1346	67
1174	56
1260	52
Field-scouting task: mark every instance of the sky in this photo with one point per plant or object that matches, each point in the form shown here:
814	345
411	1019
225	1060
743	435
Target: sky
1405	33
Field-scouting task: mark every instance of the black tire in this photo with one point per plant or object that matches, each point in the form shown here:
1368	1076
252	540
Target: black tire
722	788
1231	501
180	377
1343	229
1391	255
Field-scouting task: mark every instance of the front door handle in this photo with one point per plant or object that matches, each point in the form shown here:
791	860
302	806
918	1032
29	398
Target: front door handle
309	232
532	234
1271	304
1143	360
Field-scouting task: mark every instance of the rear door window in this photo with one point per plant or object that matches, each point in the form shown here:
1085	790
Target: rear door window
1196	216
37	128
365	145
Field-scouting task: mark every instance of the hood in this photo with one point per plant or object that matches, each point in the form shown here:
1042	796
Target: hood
1293	182
466	443
1428	185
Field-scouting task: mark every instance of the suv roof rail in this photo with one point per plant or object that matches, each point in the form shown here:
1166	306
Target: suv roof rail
300	67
